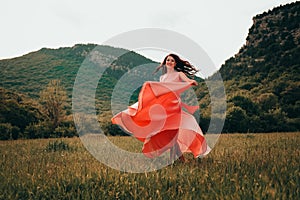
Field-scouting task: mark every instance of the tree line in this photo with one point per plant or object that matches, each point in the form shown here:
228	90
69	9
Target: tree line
49	116
28	119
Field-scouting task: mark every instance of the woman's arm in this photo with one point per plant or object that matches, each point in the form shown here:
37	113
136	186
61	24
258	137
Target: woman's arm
186	79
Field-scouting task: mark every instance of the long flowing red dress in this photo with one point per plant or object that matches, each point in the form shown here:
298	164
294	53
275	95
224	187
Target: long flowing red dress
159	120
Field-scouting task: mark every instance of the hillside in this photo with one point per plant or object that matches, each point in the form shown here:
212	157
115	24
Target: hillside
262	80
29	74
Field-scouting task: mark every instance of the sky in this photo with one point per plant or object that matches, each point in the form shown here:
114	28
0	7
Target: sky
219	27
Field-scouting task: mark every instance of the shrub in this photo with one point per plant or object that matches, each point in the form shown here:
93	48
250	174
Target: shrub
65	131
39	130
57	146
8	132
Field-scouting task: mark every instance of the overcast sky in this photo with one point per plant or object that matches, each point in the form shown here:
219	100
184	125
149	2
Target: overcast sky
219	27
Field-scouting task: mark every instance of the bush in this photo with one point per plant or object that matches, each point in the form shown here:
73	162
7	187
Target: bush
57	146
39	130
64	131
15	132
236	120
8	132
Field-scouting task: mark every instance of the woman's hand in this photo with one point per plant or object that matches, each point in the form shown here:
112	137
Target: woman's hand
186	79
193	82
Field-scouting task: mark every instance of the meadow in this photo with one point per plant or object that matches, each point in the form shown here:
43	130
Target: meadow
241	166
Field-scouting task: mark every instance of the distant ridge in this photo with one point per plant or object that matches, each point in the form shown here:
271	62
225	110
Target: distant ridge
31	72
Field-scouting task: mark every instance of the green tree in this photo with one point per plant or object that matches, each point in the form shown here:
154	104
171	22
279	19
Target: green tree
236	120
267	101
53	100
8	132
246	104
274	120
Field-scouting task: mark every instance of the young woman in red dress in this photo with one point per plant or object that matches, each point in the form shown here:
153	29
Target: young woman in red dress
158	119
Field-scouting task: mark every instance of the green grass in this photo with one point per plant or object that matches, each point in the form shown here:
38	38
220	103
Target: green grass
241	166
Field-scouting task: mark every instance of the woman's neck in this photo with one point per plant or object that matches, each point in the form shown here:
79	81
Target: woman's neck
170	70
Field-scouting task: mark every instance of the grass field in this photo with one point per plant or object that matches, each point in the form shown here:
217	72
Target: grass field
241	166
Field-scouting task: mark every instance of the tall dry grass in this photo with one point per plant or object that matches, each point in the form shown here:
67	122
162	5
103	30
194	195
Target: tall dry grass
241	166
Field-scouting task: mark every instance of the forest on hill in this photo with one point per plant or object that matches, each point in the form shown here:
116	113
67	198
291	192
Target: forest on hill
36	83
261	83
262	80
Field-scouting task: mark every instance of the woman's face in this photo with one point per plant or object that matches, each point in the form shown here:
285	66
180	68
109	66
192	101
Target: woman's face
170	62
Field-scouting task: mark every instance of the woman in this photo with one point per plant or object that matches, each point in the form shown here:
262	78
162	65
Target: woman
158	120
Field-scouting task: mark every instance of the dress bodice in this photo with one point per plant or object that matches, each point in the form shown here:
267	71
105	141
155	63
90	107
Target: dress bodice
170	77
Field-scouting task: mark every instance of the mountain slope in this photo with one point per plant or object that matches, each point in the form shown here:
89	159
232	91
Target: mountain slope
30	73
272	46
266	71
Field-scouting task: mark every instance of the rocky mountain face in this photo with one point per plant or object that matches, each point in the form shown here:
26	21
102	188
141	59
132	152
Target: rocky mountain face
266	73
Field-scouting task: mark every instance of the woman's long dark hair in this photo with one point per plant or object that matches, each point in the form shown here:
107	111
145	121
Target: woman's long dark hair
181	66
